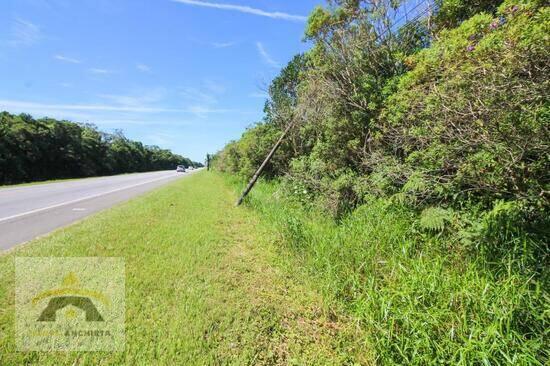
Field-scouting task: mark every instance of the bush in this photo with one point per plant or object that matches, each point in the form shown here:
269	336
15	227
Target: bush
471	117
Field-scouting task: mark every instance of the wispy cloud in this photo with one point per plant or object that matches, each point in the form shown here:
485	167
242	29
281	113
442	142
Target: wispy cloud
136	99
245	9
202	111
206	95
143	68
222	44
194	95
67	59
266	56
47	109
33	106
100	71
24	33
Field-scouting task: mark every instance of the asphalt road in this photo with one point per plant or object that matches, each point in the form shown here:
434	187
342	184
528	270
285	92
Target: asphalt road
30	211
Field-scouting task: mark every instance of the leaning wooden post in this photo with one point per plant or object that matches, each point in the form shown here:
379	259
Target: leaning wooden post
261	168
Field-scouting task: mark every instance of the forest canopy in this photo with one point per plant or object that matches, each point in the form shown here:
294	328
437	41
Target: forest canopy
40	149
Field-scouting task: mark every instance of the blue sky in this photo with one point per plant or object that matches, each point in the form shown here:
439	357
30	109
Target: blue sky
187	75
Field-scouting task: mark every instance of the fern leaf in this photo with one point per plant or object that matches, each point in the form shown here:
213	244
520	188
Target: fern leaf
434	218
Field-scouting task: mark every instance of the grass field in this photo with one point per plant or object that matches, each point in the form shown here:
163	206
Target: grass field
204	285
276	283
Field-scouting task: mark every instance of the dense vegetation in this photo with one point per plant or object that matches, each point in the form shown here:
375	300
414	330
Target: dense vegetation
429	146
40	149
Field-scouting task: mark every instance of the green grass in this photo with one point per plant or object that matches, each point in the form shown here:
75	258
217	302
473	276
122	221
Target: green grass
273	283
417	298
205	285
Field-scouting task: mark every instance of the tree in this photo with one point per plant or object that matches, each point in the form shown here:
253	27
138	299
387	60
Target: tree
41	149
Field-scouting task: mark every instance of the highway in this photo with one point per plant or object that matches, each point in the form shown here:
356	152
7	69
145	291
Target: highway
27	212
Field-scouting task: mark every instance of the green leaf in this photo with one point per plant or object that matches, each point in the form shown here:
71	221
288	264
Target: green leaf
435	218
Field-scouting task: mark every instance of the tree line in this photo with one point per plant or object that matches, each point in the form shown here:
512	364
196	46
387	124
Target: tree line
41	149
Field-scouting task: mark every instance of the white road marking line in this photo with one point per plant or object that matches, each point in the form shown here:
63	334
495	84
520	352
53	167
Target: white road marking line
79	209
80	199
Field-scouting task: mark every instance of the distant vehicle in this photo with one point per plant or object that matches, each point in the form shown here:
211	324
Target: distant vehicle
190	168
180	169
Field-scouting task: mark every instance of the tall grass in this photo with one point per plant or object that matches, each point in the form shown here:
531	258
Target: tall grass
421	298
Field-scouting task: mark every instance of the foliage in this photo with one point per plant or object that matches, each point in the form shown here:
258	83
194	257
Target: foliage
429	145
434	218
463	114
471	116
419	297
245	155
42	149
450	13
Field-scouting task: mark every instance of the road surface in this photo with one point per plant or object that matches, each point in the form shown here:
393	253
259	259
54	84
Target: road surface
30	211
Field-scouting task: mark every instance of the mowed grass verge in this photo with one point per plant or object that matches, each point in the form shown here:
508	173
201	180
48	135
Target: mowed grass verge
204	285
